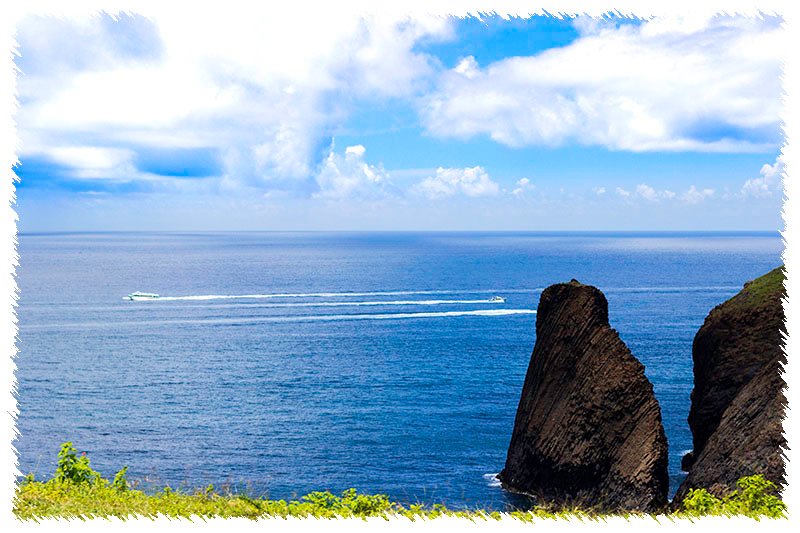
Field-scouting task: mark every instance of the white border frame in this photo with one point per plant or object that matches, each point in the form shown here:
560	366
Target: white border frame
9	14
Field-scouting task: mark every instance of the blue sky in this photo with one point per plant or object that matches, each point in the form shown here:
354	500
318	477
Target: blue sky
142	122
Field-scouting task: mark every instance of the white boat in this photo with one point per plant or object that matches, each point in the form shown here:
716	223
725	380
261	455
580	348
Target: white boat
497	299
142	296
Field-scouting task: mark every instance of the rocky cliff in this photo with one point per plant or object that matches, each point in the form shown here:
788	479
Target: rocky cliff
588	428
737	402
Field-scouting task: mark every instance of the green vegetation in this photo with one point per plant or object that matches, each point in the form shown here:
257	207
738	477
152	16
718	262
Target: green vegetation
78	491
762	289
754	497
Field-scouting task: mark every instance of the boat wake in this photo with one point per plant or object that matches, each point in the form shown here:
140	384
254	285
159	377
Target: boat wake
395	316
287	295
368	303
236	321
336	294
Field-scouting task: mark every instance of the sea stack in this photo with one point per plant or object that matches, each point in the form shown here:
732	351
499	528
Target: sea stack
588	429
737	402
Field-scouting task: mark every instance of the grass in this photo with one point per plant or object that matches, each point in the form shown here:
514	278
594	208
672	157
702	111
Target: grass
762	289
78	491
37	500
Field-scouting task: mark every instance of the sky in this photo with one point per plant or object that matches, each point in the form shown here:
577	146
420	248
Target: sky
219	121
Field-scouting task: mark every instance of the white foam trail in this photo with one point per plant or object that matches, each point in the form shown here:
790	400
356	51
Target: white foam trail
492	481
298	318
439	314
332	294
365	303
203	297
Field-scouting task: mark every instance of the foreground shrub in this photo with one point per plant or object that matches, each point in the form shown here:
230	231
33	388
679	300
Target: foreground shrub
754	497
76	490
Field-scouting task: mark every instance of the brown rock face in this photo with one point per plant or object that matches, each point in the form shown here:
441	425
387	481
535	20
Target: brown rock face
588	429
737	401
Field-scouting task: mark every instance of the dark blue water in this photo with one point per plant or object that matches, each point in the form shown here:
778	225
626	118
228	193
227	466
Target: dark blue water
372	361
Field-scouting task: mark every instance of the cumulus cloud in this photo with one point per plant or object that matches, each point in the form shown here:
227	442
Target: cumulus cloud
768	181
599	191
262	93
645	192
473	182
658	85
349	176
522	185
695	195
650	194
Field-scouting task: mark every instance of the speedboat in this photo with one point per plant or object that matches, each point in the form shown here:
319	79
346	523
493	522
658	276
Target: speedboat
143	296
497	299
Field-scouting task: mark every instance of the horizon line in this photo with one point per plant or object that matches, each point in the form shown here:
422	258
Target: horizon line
389	231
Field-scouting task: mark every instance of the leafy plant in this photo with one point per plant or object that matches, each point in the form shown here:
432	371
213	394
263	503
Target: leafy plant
73	468
754	497
699	502
121	480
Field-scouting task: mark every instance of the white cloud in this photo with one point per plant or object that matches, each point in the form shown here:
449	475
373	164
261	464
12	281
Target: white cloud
473	182
355	151
646	192
650	194
261	92
599	191
522	185
642	191
695	195
767	183
91	162
284	153
467	67
656	86
349	176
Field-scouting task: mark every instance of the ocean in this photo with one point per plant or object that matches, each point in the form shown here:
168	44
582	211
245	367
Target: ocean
282	363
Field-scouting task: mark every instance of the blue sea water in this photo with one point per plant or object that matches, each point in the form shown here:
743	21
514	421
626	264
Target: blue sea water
282	363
